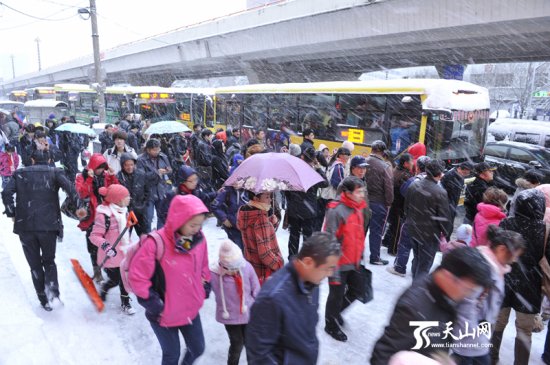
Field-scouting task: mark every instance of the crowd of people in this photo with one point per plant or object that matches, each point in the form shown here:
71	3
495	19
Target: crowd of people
490	265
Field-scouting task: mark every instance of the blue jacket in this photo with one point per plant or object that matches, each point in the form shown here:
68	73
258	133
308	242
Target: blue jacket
283	320
227	204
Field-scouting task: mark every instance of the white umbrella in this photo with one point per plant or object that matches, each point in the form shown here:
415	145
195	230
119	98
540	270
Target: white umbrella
167	127
75	128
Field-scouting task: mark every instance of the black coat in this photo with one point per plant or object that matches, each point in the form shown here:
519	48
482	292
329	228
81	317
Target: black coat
160	185
282	321
305	205
427	210
423	301
474	196
204	153
453	184
107	142
139	185
523	283
37	201
305	144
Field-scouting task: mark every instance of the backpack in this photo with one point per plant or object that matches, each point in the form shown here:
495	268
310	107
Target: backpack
329	193
158	283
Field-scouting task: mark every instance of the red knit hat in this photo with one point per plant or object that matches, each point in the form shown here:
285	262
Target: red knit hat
114	193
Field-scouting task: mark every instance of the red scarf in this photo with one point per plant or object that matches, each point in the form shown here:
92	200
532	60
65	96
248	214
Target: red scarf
240	291
184	189
10	161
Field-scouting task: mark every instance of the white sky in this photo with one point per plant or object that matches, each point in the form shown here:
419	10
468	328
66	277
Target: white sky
68	36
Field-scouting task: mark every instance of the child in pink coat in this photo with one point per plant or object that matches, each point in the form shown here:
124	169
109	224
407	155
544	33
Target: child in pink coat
9	162
236	286
110	220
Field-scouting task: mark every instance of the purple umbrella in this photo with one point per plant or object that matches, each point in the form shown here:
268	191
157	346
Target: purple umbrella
266	172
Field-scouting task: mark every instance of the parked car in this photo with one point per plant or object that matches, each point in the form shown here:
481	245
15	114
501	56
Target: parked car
513	159
520	130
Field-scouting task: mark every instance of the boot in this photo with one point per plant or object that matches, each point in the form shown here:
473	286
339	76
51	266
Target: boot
496	340
332	328
125	306
98	276
43	298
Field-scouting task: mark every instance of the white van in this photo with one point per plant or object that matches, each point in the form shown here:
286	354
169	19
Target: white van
520	130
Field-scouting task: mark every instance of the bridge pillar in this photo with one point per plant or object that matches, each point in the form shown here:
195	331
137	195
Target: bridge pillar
264	72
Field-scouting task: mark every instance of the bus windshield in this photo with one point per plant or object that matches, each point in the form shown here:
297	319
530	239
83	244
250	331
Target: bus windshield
456	136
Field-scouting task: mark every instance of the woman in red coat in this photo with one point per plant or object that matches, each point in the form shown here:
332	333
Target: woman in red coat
96	175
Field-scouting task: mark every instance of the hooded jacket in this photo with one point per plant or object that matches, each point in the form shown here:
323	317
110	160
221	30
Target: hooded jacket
220	167
345	220
227	297
416	151
88	187
486	214
183	271
522	185
528	221
260	242
100	235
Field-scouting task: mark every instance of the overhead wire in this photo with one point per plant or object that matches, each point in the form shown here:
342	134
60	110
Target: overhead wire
131	30
33	16
48	17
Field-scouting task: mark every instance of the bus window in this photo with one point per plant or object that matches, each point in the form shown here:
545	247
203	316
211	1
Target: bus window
255	111
319	112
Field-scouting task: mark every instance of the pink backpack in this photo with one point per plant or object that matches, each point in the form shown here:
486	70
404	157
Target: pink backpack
131	252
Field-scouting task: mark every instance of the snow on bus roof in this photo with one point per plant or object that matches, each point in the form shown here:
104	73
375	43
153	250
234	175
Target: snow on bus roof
73	87
45	103
441	94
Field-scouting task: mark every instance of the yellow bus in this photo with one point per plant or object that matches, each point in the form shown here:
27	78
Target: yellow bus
450	117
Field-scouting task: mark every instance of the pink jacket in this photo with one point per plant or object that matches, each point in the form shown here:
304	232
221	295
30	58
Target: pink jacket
4	163
183	272
486	214
98	236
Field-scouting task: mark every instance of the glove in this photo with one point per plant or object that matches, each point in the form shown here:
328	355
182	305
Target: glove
153	306
109	251
207	289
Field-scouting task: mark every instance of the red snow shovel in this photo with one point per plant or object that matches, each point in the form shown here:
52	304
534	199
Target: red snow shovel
86	280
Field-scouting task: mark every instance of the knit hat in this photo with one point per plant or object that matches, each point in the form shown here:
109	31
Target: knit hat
464	233
184	173
322	147
349	145
114	193
231	256
294	150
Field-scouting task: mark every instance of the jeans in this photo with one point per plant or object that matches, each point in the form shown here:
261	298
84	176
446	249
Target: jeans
169	340
236	335
424	254
403	250
377	221
297	226
153	206
477	360
39	250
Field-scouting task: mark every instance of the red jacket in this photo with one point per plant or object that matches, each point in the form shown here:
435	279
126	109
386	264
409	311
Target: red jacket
345	220
260	242
5	164
85	187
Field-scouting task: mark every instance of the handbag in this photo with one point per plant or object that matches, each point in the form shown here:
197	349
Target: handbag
70	206
360	284
545	266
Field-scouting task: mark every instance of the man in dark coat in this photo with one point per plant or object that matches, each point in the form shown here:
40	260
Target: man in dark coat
106	138
156	163
70	145
37	218
427	212
380	189
431	304
453	183
233	136
284	316
309	136
302	207
220	166
138	184
474	191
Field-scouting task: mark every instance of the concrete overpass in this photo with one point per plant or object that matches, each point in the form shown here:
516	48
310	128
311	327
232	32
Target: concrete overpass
312	40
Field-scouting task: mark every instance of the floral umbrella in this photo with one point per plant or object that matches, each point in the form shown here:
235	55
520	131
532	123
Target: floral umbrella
267	172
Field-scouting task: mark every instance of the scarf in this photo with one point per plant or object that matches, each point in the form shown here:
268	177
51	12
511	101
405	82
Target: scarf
120	214
238	278
185	189
258	205
10	162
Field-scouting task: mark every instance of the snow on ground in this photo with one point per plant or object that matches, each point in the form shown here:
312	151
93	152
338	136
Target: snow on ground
77	334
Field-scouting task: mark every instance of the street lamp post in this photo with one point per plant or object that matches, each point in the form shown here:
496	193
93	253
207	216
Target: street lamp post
100	87
37	40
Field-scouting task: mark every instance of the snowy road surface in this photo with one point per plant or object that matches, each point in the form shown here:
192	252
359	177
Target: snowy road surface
77	334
